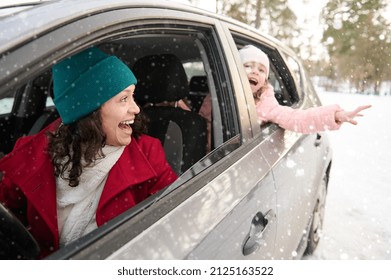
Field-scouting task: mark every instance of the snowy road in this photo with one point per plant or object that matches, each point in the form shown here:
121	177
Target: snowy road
358	207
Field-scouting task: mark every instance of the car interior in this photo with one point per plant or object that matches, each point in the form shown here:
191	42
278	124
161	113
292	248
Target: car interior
170	68
159	64
162	82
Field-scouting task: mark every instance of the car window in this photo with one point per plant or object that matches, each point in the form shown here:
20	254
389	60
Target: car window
6	105
194	68
197	59
199	56
199	62
280	78
295	70
301	78
21	107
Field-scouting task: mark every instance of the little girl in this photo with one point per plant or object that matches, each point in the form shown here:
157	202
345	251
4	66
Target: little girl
268	109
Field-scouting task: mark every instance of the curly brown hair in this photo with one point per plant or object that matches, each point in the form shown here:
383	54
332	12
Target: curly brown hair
83	139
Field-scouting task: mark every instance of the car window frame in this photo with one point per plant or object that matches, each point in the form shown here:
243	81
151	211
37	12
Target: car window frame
277	64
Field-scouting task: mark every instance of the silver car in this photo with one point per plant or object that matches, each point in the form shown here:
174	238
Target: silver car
256	192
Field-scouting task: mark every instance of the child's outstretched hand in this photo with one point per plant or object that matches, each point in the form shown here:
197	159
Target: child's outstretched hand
344	116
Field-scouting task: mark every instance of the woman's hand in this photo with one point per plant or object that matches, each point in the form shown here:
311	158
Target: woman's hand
344	116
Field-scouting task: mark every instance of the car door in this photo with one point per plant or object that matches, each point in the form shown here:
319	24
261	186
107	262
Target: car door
300	164
299	161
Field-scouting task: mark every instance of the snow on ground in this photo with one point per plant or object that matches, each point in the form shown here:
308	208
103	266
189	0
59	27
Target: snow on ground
358	208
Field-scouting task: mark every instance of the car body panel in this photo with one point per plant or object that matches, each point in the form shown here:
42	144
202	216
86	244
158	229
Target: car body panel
201	227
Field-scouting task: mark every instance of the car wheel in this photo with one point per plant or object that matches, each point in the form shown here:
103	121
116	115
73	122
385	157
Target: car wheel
317	218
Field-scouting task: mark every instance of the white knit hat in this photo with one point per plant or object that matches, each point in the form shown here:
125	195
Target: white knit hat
250	53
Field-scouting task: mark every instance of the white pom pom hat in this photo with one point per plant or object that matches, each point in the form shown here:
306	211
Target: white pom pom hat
250	53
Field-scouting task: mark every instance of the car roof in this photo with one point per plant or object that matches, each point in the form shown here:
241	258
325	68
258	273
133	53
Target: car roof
42	17
38	18
6	10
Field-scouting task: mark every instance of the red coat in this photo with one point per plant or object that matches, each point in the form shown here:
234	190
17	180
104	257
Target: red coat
28	186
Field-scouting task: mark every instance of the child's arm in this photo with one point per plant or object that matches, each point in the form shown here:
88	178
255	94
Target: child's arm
306	121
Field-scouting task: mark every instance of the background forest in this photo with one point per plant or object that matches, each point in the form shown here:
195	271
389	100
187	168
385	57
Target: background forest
356	36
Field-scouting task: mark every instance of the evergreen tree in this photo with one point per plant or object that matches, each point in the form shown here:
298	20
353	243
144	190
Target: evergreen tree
358	39
273	17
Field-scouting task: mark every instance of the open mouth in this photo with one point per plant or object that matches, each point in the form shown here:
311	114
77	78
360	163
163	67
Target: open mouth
253	81
126	124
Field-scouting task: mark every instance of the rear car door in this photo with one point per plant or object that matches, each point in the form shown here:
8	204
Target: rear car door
299	161
299	166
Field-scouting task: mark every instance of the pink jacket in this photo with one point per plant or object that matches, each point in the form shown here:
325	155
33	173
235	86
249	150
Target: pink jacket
304	121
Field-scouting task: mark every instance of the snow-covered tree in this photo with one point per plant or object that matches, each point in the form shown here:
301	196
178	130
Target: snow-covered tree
358	39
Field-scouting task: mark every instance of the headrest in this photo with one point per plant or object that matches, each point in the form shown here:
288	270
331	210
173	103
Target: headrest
160	78
198	84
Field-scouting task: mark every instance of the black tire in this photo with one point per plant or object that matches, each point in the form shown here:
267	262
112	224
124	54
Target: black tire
315	230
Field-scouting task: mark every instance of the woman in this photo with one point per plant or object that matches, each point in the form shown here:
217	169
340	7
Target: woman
268	109
89	166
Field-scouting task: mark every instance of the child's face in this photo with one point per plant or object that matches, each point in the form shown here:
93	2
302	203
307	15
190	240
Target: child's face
256	74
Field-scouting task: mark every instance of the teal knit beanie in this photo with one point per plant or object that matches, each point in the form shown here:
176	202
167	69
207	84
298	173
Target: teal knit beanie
83	82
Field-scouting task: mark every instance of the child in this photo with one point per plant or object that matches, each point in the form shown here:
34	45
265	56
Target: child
268	109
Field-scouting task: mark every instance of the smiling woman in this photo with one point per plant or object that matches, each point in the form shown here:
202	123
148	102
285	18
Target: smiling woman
88	147
118	114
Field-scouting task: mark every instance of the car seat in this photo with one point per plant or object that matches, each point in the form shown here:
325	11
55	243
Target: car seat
49	114
198	87
162	82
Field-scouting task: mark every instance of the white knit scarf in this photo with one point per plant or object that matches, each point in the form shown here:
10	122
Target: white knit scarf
76	207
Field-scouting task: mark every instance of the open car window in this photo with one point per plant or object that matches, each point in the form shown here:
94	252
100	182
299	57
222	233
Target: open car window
286	90
197	50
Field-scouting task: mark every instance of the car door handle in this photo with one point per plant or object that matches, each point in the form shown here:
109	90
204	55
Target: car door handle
318	140
260	224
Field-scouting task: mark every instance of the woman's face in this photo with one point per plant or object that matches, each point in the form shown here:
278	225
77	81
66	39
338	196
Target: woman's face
256	74
118	113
